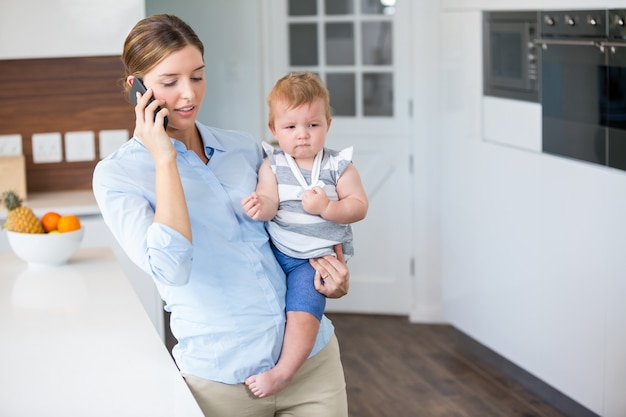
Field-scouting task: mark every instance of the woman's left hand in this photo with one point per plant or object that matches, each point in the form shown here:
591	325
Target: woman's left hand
332	277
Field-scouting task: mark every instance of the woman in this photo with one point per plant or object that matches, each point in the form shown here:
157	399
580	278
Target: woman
172	200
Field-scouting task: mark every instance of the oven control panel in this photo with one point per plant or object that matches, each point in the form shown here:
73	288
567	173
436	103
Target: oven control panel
575	23
617	25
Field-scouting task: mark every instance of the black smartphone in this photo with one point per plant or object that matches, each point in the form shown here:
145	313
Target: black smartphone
138	86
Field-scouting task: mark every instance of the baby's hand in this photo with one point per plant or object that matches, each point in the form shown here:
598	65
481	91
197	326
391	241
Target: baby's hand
252	206
315	201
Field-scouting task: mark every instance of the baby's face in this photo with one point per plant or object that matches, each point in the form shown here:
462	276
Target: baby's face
301	131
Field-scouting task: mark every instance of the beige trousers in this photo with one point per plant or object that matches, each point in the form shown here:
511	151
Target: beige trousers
317	389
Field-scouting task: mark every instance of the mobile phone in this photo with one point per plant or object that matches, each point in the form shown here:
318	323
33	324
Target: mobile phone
138	86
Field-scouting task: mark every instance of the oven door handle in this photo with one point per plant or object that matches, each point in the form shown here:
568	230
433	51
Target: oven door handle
575	42
613	45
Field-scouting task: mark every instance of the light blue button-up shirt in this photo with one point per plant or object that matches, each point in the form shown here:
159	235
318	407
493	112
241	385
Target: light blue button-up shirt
225	291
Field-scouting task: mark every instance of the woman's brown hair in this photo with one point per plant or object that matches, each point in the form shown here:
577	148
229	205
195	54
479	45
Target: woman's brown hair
153	39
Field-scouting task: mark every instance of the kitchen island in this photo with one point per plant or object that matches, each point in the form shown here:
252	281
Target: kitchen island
77	342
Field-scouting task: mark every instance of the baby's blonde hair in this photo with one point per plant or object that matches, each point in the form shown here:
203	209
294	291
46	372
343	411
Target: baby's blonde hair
296	89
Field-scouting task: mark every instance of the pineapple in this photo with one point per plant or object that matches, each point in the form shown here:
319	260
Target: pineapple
20	218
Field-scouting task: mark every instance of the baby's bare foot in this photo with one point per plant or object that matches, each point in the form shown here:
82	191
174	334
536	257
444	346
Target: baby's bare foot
266	383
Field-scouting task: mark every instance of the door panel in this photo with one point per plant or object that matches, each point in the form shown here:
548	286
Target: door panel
381	266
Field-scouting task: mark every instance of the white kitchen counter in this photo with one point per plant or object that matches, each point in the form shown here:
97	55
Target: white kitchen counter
75	341
82	203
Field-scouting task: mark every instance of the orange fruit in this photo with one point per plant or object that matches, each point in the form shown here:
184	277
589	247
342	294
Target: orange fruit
50	220
68	223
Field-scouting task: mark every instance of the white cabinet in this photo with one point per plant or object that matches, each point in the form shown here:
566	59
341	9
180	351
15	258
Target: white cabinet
615	378
513	123
45	29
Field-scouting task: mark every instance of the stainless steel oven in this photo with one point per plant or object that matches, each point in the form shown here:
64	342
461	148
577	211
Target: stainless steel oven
573	83
583	54
510	67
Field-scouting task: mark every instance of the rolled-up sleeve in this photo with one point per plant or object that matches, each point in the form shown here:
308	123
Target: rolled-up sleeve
170	255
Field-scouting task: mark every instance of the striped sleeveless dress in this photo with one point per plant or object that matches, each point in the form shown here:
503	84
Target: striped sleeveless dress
293	231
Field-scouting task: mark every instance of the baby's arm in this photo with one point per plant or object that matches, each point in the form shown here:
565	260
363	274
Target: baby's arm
351	206
263	203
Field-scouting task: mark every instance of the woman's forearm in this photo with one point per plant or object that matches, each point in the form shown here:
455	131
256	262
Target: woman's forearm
171	206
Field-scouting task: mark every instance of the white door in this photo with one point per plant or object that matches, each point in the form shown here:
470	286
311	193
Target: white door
354	46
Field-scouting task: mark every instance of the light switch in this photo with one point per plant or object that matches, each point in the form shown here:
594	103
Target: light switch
110	140
80	146
47	147
10	145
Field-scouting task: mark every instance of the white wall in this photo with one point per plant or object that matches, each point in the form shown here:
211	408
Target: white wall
531	244
65	28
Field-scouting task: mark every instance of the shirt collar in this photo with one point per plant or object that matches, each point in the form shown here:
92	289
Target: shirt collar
209	140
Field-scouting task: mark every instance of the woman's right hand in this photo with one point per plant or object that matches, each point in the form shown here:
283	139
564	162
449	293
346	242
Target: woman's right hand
149	129
171	206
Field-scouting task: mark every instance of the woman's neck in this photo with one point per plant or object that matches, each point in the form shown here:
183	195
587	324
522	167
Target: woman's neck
192	141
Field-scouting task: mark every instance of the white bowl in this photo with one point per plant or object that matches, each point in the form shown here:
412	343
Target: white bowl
45	249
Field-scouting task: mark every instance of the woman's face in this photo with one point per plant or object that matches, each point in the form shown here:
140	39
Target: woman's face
179	81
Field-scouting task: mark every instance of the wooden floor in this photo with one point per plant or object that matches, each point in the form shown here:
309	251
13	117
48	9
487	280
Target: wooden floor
396	368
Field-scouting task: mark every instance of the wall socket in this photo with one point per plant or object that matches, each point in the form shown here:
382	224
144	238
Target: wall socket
47	147
110	140
10	145
80	146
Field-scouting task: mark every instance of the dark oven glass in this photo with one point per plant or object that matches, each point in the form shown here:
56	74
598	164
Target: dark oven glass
510	65
571	91
614	106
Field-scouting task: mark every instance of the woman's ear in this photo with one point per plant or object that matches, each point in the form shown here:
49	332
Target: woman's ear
130	79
